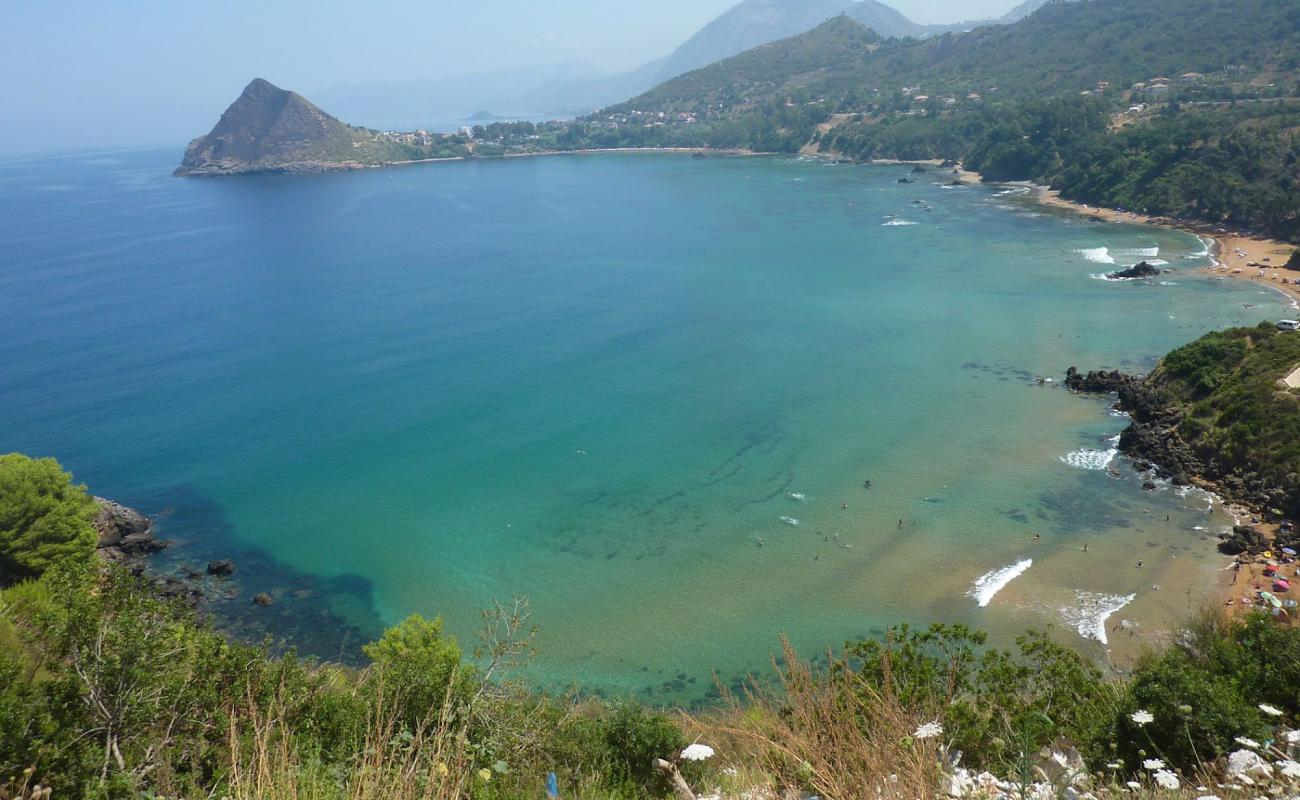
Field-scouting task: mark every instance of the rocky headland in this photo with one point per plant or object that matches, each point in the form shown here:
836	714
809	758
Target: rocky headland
1218	413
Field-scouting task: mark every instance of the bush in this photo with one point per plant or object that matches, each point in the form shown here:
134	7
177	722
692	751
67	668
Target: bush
44	518
1197	711
419	667
634	737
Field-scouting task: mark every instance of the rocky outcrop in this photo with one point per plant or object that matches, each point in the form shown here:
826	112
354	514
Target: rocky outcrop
1097	381
125	535
1139	270
1243	539
1294	262
1154	440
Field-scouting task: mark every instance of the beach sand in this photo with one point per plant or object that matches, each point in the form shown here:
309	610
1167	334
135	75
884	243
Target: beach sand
1233	251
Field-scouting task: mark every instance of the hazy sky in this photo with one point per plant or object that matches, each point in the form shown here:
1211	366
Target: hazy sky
142	72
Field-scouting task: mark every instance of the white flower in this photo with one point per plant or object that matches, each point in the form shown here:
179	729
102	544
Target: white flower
1166	779
1289	768
1272	711
1245	742
1291	737
1134	785
928	731
1114	765
1153	764
1208	797
1141	718
697	752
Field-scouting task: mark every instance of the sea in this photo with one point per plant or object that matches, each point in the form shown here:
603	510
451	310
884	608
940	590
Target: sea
682	406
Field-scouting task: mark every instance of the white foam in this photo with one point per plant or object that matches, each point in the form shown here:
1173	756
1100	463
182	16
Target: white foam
1014	190
1157	262
799	496
1090	615
897	223
1105	276
1097	255
1139	252
1090	459
990	583
790	521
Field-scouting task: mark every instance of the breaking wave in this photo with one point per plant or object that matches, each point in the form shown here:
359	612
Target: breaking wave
1094	609
989	584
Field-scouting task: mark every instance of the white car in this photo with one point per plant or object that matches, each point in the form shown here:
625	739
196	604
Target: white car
1288	325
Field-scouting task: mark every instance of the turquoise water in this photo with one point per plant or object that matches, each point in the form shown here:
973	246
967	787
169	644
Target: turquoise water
637	389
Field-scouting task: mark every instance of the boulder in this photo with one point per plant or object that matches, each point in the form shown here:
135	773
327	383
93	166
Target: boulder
1248	764
1243	539
1139	270
125	535
263	599
222	568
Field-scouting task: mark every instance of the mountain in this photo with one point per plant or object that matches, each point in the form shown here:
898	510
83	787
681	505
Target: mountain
269	129
745	25
1062	47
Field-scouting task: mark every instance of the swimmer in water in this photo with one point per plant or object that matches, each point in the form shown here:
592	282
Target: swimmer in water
900	523
1038	537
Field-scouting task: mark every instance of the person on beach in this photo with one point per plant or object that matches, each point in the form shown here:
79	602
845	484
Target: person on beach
900	523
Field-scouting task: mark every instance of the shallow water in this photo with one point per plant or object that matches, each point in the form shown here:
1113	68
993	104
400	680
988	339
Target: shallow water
637	389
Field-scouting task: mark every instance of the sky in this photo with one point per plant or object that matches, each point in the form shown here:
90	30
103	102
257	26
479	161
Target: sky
83	73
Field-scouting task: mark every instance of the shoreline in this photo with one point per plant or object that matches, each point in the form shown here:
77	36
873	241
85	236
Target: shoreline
1231	251
317	168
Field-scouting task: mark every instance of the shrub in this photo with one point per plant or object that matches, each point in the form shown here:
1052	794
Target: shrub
420	666
634	736
44	517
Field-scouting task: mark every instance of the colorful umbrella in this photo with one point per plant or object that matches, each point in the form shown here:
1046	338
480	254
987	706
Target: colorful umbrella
1271	599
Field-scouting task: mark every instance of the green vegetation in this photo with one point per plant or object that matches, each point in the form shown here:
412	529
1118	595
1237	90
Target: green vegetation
107	691
1233	409
44	518
1045	99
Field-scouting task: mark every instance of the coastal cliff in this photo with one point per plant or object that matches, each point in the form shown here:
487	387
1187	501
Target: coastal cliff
269	129
1223	410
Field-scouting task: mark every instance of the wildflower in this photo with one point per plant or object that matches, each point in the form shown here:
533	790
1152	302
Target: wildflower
697	752
1246	742
442	769
1272	711
1153	764
1134	785
1142	718
1115	765
928	731
1289	768
485	774
1166	779
1208	797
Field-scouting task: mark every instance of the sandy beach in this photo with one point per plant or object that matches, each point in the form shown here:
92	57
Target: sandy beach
1240	256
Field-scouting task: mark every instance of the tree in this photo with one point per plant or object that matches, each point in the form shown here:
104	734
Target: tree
44	517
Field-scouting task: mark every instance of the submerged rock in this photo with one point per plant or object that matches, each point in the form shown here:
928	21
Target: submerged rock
263	599
222	568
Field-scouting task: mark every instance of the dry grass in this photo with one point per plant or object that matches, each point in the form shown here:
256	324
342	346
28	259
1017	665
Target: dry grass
428	764
828	732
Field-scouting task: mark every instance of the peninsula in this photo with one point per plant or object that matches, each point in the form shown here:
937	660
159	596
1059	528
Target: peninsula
269	129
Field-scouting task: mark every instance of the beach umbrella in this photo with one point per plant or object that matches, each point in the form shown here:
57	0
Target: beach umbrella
1288	551
1271	599
1281	586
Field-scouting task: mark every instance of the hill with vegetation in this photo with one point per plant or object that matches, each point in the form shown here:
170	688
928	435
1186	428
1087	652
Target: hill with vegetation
269	129
1225	397
1104	100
